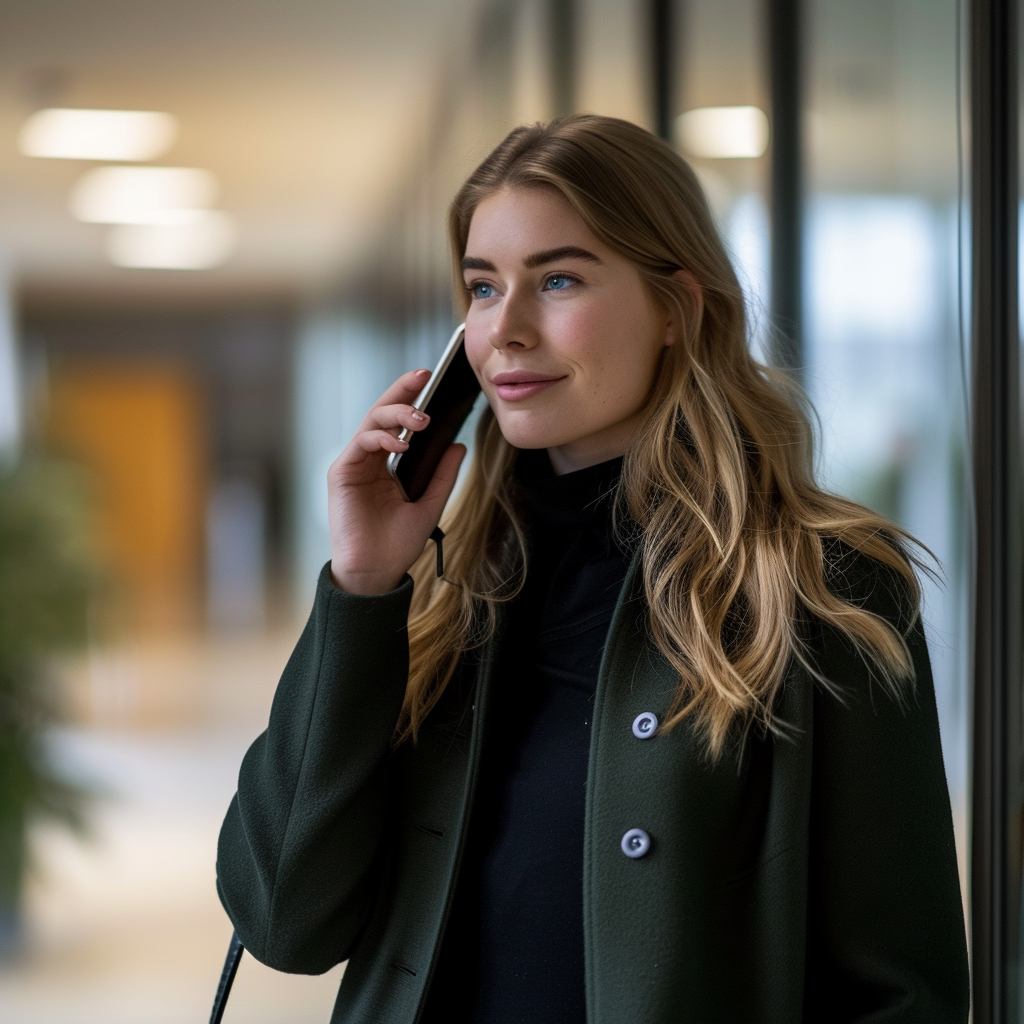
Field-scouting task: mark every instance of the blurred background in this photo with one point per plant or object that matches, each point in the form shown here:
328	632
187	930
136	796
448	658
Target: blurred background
221	236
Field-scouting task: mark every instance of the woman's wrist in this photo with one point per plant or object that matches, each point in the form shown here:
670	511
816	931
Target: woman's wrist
365	584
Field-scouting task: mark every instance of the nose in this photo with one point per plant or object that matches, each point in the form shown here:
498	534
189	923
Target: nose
513	326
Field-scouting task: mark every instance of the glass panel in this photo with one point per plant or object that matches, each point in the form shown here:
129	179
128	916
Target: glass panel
722	58
884	362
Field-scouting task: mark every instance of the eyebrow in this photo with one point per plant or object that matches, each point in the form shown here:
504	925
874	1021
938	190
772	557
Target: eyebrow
537	259
565	252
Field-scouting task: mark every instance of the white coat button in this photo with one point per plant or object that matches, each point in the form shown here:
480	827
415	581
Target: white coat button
636	842
644	725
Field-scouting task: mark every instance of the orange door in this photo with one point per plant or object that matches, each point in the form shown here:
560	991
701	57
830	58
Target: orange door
140	432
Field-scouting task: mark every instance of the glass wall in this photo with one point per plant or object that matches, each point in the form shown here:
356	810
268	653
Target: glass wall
883	359
885	364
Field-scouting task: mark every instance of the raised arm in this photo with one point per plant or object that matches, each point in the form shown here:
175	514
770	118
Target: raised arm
299	857
299	852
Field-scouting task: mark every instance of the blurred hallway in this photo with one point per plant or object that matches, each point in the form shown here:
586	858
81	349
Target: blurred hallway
203	392
126	926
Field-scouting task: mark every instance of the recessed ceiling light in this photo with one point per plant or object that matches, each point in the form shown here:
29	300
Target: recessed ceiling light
723	132
71	134
142	195
199	244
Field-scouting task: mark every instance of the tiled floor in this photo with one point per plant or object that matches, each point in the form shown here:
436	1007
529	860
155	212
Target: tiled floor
126	928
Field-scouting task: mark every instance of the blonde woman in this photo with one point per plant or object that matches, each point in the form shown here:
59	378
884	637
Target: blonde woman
661	745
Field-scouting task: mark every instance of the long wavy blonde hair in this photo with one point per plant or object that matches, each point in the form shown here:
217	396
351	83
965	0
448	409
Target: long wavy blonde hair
733	531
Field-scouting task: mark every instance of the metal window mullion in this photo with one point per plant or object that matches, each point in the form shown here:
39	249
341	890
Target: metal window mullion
784	20
996	604
563	28
661	18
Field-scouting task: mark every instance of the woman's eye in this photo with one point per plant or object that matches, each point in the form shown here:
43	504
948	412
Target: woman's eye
559	282
481	290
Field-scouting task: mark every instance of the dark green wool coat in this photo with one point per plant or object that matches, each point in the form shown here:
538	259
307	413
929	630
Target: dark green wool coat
811	878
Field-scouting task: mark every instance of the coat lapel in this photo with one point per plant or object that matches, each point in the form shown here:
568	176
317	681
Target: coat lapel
684	924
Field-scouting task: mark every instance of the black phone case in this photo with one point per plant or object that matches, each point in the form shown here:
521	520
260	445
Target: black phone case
448	407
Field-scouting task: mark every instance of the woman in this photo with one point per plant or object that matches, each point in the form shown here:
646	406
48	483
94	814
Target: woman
662	744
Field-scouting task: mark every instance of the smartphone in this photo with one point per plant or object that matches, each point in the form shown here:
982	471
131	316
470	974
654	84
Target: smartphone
447	399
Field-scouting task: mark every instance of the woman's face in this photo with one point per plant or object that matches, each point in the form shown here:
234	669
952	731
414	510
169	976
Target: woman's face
562	331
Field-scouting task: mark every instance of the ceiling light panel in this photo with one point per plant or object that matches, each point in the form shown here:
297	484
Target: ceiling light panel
70	134
200	244
723	132
142	195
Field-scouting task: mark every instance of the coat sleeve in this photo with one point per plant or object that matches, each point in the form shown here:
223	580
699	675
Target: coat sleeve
886	937
299	856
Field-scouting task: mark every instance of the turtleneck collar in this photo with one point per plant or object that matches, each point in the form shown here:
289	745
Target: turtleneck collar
584	496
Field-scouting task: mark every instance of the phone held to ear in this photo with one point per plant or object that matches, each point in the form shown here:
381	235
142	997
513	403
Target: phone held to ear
447	399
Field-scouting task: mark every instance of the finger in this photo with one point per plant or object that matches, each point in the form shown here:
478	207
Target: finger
406	387
370	442
395	417
443	481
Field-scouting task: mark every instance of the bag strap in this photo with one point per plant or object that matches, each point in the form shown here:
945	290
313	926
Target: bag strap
227	976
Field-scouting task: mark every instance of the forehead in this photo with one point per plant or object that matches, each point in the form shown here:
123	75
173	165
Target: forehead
514	222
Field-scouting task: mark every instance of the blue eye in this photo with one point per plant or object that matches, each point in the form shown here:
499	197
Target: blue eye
481	290
559	282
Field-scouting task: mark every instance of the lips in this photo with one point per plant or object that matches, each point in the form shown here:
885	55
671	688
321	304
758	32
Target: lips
515	385
523	377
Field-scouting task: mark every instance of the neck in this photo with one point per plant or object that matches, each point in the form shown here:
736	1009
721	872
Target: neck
589	451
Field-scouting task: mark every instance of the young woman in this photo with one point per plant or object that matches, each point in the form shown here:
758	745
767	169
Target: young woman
661	746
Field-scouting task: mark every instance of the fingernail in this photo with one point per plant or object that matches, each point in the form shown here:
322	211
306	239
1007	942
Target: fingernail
404	444
418	416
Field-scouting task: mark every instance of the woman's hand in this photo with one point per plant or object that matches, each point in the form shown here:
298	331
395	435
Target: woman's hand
376	534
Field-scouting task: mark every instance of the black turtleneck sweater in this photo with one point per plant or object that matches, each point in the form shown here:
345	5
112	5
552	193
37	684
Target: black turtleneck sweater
512	952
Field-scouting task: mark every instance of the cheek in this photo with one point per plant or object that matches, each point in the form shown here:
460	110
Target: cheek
587	336
604	345
477	348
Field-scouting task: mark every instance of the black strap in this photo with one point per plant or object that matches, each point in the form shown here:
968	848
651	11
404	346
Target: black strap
437	536
227	976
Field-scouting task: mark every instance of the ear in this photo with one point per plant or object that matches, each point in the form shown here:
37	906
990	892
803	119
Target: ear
696	296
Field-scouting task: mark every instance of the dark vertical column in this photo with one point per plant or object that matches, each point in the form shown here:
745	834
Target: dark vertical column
661	21
494	58
563	55
785	66
996	605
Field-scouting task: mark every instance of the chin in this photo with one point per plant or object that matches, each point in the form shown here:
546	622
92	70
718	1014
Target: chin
524	435
548	427
526	439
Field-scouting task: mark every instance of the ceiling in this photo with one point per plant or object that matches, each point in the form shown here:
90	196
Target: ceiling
314	113
308	111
